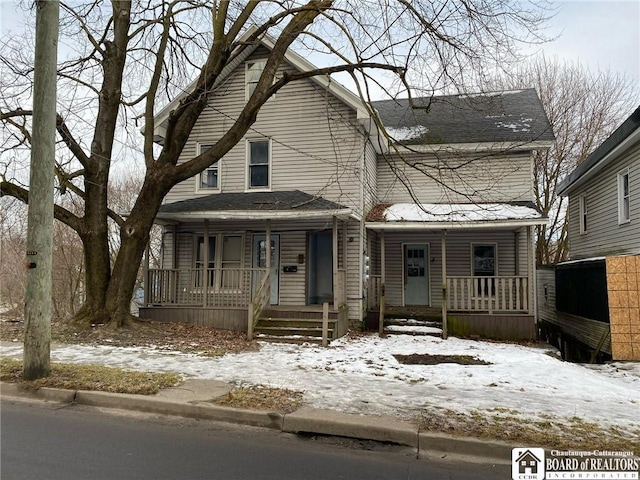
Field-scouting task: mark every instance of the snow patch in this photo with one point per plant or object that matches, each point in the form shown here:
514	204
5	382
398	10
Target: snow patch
457	212
406	133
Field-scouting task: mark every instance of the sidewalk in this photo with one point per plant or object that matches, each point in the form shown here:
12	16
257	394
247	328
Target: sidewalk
193	399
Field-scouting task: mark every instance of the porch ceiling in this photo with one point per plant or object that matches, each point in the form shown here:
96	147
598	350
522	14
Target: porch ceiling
253	206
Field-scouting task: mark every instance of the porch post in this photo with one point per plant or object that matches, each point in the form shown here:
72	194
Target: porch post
335	261
530	272
147	283
174	249
205	269
443	243
343	293
267	241
383	276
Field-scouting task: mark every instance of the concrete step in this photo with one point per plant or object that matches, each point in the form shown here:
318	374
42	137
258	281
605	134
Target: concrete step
293	322
292	331
298	339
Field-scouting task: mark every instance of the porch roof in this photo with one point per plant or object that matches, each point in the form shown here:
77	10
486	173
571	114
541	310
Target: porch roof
292	204
440	216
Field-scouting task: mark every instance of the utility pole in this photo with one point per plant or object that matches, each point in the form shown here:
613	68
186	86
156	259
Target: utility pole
37	329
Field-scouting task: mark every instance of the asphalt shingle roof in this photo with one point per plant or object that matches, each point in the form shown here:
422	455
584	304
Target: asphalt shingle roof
511	116
253	201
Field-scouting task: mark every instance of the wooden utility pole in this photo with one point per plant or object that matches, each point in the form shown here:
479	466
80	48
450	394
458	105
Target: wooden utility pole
37	329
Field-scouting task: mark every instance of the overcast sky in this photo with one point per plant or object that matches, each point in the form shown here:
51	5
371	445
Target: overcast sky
599	33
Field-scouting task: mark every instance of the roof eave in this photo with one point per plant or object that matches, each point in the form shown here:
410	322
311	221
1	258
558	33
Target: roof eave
404	226
342	214
475	147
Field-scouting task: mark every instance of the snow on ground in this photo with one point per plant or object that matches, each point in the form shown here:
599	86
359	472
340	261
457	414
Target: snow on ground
360	375
412	329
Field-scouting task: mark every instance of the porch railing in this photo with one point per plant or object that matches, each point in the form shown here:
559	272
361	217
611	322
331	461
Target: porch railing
488	294
225	287
260	300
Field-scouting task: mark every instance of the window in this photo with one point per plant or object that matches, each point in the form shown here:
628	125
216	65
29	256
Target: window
484	265
224	263
209	178
583	214
624	210
252	75
259	154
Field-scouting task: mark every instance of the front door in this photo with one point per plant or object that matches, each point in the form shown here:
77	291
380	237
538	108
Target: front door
259	260
320	268
416	275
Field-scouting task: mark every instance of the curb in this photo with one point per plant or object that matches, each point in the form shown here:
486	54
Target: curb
304	420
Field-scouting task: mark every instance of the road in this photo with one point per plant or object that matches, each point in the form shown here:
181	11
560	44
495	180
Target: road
48	441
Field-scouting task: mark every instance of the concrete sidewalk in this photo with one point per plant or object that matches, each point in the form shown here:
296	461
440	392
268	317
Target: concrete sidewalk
194	399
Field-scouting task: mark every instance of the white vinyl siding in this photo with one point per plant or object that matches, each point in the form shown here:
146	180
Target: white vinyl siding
468	178
606	235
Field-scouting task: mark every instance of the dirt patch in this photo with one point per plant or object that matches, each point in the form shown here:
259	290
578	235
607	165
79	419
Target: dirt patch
259	397
170	336
91	377
427	359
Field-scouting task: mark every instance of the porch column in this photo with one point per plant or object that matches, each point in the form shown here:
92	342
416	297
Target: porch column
335	262
174	248
267	241
530	272
383	279
147	283
443	244
205	270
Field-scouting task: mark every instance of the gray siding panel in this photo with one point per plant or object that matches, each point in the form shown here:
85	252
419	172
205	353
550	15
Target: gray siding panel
604	235
468	179
316	142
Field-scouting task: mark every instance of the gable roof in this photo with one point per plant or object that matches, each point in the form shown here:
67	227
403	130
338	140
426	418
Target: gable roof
605	154
253	205
511	117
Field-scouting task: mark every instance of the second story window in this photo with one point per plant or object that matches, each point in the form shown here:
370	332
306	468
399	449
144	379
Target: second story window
252	75
583	214
258	164
624	205
209	178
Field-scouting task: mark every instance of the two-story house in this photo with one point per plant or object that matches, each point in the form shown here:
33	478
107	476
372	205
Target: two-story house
319	208
592	302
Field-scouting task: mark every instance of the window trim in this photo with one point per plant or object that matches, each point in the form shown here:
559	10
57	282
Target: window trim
217	259
622	174
217	165
493	291
247	94
584	211
248	187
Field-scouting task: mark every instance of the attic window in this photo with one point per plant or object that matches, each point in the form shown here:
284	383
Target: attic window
624	207
252	75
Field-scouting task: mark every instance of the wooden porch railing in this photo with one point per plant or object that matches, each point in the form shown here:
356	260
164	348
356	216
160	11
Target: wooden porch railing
488	294
226	287
261	300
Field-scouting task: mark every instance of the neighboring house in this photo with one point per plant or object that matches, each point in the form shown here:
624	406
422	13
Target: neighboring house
591	303
349	215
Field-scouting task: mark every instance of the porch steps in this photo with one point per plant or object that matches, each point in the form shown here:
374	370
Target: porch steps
402	326
286	327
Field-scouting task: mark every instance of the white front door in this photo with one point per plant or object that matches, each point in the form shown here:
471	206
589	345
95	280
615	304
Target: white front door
416	274
259	260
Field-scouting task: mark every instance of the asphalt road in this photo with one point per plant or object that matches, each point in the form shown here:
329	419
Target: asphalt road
45	441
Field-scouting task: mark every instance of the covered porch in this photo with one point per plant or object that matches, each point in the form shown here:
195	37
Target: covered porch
216	269
473	264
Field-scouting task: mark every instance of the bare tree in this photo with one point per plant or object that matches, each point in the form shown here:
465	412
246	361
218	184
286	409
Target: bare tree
583	108
132	57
